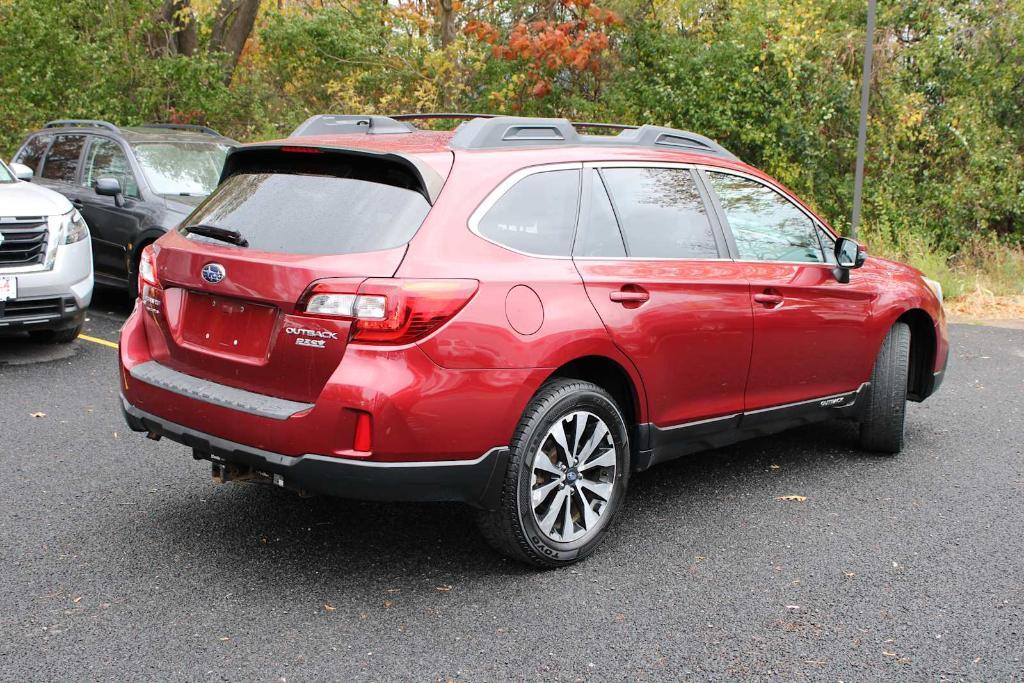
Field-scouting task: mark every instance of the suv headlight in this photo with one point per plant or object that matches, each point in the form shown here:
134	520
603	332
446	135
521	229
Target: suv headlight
74	227
935	286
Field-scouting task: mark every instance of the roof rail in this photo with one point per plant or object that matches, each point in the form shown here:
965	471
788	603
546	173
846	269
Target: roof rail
510	131
426	116
183	126
343	124
81	123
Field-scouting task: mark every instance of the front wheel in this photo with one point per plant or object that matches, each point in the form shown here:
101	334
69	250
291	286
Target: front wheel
881	424
566	477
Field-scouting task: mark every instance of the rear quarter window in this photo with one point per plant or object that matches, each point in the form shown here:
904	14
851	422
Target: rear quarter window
310	214
32	152
537	215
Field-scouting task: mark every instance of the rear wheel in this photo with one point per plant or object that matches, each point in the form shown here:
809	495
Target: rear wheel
566	477
56	336
881	425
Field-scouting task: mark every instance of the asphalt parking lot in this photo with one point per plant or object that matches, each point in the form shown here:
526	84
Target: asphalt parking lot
120	560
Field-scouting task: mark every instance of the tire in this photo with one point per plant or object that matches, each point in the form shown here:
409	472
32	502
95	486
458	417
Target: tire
882	422
56	336
526	526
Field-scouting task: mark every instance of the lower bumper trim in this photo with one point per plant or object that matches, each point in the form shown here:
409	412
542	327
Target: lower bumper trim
476	482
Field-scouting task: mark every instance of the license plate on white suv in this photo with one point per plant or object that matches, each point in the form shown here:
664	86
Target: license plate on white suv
8	287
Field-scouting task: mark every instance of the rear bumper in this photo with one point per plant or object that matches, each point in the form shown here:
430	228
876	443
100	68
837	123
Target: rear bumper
476	482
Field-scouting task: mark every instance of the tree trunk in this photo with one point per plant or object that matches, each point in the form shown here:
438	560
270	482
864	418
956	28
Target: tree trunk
446	19
175	32
232	26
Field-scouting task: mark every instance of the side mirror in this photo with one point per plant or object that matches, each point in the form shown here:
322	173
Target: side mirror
849	254
22	172
110	187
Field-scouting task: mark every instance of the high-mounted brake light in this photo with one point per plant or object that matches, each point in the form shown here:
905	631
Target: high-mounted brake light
147	268
389	311
302	150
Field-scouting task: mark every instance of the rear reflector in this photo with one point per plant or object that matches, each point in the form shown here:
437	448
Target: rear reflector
362	441
389	311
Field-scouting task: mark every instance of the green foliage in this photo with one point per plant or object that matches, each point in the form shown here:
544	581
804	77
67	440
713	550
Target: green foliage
776	81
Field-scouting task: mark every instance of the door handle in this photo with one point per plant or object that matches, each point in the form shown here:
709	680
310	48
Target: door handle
629	296
768	298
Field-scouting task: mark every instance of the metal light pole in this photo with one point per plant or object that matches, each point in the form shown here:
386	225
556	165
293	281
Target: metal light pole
862	134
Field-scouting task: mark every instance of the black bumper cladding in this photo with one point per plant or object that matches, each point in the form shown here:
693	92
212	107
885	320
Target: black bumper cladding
476	482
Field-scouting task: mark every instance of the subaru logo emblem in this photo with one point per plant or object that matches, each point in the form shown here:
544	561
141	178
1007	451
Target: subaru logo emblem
213	273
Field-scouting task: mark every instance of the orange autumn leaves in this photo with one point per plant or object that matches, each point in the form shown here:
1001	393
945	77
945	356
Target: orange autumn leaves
548	46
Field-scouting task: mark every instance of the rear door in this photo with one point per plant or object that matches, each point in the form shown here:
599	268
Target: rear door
665	289
304	217
810	339
112	227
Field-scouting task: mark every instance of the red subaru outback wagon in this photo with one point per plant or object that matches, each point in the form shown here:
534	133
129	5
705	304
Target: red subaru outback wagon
515	315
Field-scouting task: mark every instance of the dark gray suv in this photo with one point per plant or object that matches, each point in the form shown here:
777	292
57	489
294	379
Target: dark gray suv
130	184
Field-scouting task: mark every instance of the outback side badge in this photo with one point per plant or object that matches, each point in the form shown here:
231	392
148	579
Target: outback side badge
213	273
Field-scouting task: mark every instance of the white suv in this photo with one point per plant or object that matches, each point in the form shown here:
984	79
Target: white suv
45	260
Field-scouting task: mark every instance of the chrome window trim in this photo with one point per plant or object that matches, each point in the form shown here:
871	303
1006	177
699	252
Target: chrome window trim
815	221
505	185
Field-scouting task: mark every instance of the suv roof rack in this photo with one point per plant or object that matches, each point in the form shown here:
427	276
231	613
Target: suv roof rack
183	126
503	132
491	131
344	124
81	123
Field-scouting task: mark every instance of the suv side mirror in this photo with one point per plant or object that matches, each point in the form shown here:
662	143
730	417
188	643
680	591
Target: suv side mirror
22	172
849	254
110	187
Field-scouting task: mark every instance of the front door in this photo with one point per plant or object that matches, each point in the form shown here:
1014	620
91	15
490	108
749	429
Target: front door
113	227
810	339
669	298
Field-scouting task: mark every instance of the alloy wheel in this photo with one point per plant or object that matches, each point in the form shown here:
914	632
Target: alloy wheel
573	477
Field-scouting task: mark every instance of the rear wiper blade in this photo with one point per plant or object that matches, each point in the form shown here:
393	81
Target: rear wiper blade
217	233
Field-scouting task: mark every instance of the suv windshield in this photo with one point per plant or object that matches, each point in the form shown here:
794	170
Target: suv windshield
181	168
311	214
5	174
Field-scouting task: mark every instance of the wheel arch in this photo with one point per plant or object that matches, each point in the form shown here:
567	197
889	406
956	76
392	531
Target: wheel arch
923	346
611	376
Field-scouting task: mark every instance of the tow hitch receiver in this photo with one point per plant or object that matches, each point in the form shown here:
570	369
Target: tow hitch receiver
225	472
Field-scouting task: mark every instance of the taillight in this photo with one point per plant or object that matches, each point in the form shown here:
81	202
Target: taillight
147	268
389	311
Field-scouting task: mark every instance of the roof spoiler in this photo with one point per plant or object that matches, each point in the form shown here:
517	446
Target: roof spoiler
427	181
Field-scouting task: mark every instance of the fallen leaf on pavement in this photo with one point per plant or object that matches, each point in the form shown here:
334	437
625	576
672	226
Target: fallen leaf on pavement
38	414
794	499
444	588
329	607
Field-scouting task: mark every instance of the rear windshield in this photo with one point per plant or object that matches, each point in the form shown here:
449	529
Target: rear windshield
312	214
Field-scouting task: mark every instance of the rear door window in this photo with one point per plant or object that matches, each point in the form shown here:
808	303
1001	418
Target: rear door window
32	153
106	159
765	225
661	212
598	235
537	215
299	213
62	160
